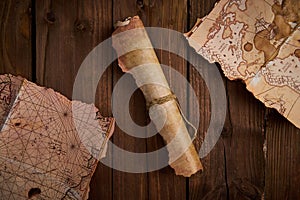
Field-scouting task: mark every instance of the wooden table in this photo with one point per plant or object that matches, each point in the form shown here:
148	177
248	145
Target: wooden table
47	40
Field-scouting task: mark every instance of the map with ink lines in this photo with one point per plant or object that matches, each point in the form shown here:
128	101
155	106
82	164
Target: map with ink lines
49	146
257	41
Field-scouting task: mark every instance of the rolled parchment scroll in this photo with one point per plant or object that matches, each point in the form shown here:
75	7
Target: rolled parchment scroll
137	56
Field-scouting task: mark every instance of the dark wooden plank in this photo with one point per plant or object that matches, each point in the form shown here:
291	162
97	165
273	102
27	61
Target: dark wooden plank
15	37
43	21
66	33
283	158
171	14
211	183
129	185
234	169
244	145
56	45
199	9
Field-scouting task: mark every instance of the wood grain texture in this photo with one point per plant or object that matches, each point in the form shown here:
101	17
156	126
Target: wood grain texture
244	143
15	37
164	184
129	185
282	172
237	159
211	184
74	28
66	33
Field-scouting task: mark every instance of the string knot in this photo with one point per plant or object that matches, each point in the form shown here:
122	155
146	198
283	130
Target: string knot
161	100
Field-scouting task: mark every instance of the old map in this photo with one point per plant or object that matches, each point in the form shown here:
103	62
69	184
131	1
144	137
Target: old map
257	41
49	146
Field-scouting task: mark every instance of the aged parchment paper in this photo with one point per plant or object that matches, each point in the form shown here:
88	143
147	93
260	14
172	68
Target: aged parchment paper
49	146
141	61
257	41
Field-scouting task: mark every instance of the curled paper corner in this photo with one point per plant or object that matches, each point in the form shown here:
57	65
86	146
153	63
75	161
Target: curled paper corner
194	28
125	22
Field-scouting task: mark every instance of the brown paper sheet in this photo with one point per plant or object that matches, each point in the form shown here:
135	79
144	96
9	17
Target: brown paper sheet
49	146
159	96
259	43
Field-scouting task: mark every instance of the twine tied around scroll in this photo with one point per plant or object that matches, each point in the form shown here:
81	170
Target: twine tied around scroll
167	98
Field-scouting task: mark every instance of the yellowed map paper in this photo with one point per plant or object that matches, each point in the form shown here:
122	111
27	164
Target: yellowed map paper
257	41
49	146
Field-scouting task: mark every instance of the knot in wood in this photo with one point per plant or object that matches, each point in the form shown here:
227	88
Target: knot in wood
83	25
226	132
50	17
140	3
80	26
